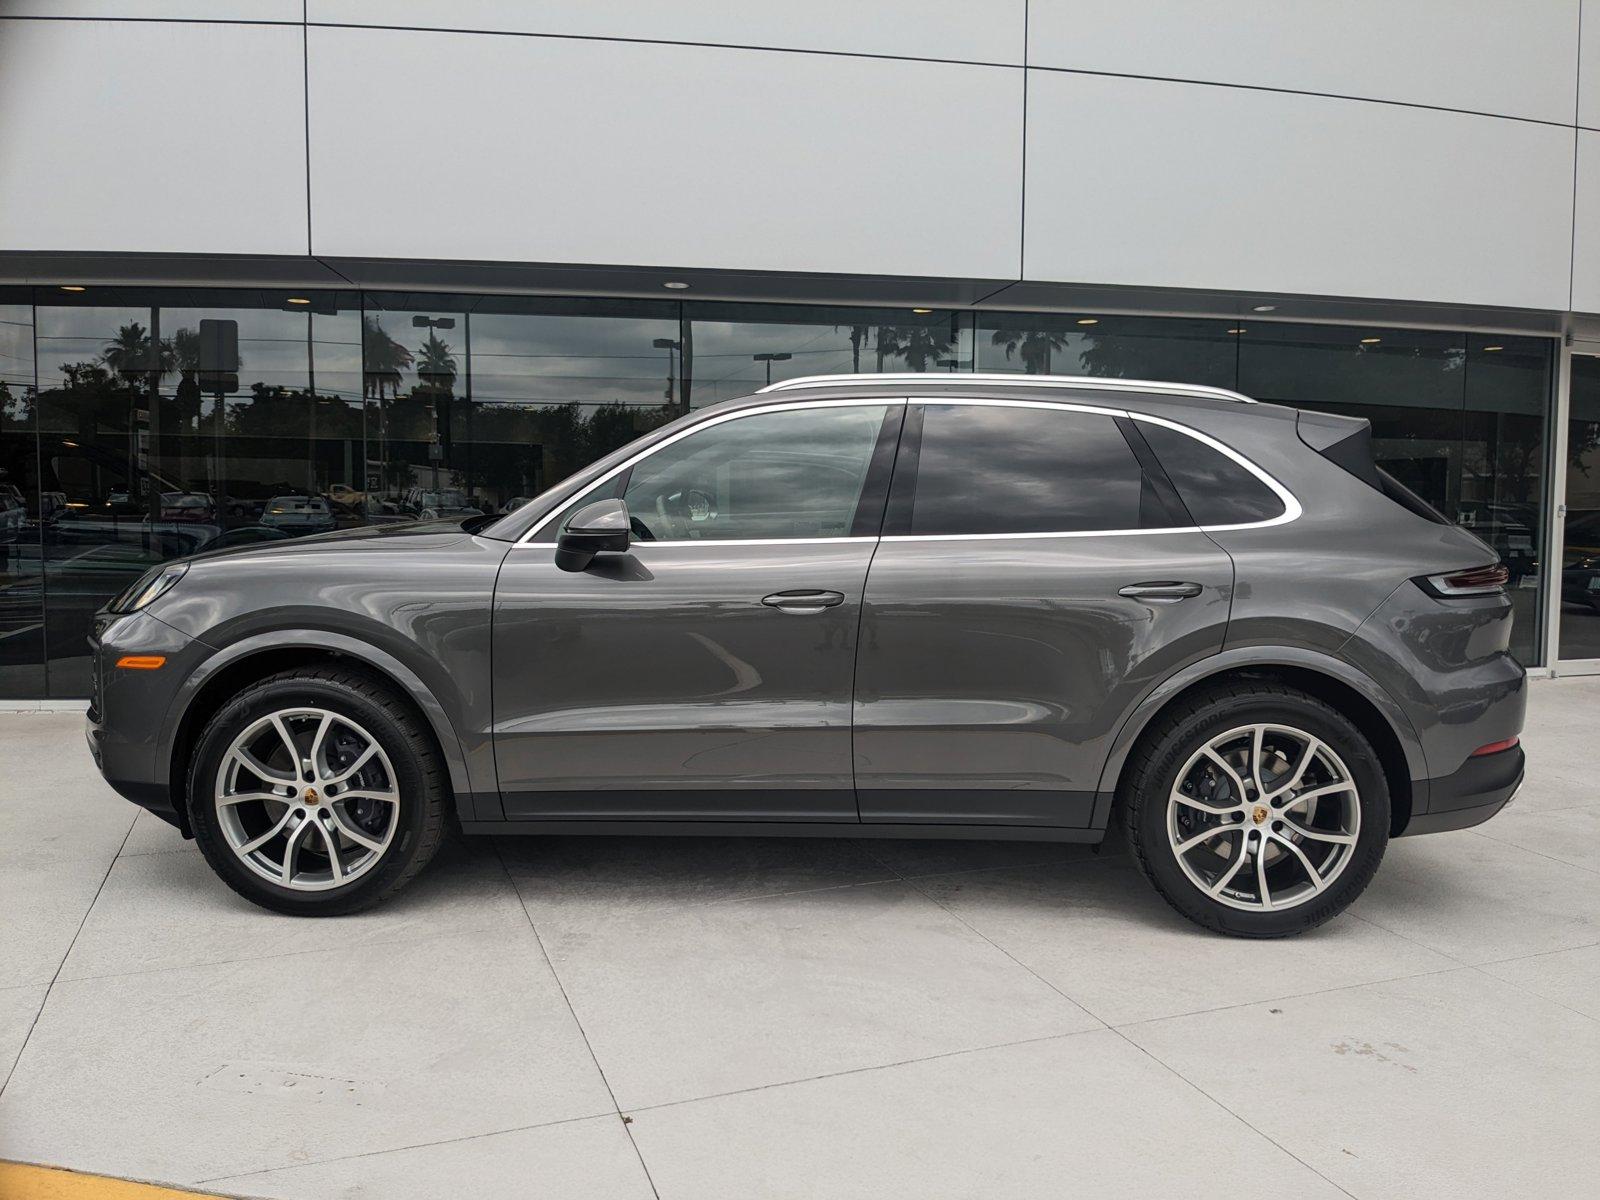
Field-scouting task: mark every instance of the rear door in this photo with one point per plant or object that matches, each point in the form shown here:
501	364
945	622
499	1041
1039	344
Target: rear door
1037	575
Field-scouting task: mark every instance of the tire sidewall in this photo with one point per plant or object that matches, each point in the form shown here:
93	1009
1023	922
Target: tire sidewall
336	697
1303	713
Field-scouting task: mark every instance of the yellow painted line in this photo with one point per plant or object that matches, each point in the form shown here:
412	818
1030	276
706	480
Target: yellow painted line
19	1181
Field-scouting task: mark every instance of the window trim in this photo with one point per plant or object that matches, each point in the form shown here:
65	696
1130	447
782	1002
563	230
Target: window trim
1292	509
527	539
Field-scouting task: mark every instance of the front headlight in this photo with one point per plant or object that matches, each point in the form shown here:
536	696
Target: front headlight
150	586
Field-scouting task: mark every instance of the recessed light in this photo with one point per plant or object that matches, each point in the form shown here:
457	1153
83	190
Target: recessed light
675	285
1265	308
1492	349
72	287
922	310
298	300
1238	331
1088	320
1370	341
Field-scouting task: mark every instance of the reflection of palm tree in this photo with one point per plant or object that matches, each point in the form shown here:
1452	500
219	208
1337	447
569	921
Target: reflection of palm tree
129	355
1036	346
858	338
385	358
917	344
435	365
185	347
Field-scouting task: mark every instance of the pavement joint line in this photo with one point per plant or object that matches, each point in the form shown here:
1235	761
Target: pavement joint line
1491	962
1527	991
1540	853
50	987
451	1141
582	1032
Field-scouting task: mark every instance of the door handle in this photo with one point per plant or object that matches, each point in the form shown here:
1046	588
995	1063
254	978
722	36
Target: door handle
1163	592
803	600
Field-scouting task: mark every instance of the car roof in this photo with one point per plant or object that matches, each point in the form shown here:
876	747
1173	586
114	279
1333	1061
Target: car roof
988	384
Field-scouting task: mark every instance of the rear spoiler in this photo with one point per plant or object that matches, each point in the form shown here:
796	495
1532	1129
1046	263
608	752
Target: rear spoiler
1346	442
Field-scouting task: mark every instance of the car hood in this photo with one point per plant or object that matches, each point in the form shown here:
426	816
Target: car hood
361	537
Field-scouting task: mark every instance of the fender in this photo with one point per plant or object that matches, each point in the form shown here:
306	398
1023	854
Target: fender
1254	656
456	760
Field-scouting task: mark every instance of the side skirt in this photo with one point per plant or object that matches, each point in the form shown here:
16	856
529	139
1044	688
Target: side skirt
834	829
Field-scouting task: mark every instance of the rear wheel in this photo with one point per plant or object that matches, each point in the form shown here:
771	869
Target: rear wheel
317	792
1257	810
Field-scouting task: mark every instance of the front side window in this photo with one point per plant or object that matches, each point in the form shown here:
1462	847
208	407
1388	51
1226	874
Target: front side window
779	475
987	469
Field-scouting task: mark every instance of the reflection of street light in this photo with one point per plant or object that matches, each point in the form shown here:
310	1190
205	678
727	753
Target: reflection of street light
671	347
769	359
433	322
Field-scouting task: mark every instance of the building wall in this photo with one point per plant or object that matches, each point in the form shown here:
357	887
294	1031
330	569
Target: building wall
1426	150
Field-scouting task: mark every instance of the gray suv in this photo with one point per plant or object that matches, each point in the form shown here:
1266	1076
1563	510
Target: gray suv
929	606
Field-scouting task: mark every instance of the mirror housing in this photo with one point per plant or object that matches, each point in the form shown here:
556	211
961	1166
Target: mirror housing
598	528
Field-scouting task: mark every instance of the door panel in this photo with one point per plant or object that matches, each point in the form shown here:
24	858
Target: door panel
658	685
993	671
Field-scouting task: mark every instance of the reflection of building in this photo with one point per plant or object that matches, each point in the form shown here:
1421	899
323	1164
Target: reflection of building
1384	226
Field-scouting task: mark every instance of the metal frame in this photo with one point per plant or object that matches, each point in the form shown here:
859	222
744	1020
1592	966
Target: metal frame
1556	506
965	378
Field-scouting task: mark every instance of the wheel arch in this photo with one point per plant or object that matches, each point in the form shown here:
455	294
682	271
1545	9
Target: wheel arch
1337	683
261	655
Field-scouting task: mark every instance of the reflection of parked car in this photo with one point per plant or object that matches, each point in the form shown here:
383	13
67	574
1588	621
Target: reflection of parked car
418	499
1580	582
343	493
299	514
446	511
514	503
187	506
13	513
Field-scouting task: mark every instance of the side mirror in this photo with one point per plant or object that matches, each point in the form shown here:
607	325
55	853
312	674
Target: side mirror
598	528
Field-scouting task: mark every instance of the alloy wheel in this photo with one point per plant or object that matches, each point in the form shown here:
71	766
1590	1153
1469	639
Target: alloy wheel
1263	817
307	799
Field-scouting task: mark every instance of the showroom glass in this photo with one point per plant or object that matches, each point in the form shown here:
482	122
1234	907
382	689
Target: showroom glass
736	349
986	469
22	671
1170	349
481	403
1580	549
782	475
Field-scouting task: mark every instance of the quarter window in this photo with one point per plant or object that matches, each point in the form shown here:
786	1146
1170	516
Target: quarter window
781	475
1215	489
983	469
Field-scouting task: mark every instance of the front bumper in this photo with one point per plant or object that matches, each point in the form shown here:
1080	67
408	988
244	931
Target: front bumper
1481	788
127	708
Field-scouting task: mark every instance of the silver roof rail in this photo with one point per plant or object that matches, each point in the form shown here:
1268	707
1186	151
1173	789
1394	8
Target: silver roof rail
1081	382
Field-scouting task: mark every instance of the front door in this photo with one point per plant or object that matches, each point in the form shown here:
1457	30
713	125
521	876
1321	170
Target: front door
705	674
1036	575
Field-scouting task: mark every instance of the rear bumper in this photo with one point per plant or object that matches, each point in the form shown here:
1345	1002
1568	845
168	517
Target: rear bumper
1481	788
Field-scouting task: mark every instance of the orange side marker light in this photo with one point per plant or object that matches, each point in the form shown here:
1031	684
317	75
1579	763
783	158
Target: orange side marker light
142	662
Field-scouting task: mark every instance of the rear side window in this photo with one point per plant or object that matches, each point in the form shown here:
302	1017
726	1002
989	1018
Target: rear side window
982	469
1215	489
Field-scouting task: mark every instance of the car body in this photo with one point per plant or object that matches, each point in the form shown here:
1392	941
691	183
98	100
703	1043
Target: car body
903	606
299	514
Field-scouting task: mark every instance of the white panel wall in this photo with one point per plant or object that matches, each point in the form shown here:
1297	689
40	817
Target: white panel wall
967	30
1512	57
184	10
1184	185
1589	67
1586	227
533	149
152	136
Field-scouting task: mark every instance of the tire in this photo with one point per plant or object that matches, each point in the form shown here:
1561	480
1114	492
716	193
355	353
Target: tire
1177	792
282	843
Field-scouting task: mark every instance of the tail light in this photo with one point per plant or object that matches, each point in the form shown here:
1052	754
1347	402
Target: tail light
1474	581
1495	747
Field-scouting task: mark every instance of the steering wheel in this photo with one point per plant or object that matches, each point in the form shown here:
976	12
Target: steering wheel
683	509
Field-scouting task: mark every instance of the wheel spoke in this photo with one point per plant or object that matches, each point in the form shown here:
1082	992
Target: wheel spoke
279	724
245	797
1196	803
381	795
1233	776
1299	771
291	851
1258	737
1226	877
356	834
256	843
1200	839
1261	874
331	841
1320	835
1317	882
1327	789
260	769
317	739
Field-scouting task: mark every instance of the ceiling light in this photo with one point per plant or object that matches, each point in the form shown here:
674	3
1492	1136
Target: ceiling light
72	287
922	310
1265	308
675	285
1088	320
1492	349
298	300
1237	331
1370	341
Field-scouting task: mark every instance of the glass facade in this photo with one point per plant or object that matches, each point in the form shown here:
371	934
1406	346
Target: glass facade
1580	548
139	424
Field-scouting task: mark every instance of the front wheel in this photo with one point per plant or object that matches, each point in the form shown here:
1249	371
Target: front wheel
1256	810
316	792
